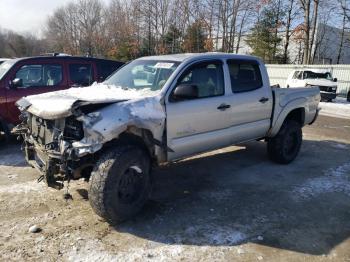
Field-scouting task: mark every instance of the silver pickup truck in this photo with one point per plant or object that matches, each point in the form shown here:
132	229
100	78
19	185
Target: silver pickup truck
156	110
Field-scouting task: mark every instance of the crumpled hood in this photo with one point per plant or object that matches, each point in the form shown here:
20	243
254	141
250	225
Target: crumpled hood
320	82
60	104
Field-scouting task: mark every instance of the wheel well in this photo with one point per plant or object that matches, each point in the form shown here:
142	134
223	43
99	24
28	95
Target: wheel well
297	115
142	138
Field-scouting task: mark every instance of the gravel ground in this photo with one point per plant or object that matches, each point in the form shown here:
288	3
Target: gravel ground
230	204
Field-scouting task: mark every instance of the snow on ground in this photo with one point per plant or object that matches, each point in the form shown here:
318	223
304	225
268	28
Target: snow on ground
95	250
334	180
339	108
23	188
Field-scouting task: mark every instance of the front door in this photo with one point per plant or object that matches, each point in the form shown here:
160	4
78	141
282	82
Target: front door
199	124
36	78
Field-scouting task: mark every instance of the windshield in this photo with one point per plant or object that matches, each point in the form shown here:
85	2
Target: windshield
143	74
5	66
313	75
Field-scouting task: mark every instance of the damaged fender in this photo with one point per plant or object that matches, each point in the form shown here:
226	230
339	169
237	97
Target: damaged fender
108	123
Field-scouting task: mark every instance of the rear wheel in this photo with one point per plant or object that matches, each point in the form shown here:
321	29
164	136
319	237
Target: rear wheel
120	183
285	146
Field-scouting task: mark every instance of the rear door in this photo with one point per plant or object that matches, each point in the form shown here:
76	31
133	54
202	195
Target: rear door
250	99
37	77
199	124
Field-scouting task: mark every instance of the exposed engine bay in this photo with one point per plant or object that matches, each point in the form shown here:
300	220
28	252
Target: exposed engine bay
62	142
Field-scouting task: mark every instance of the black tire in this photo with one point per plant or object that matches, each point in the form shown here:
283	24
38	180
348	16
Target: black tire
120	183
348	97
285	146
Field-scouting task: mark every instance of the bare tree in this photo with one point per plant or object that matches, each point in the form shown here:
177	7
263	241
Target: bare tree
344	9
314	28
306	5
290	9
76	27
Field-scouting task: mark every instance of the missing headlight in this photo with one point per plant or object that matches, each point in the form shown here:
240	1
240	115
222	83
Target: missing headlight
73	129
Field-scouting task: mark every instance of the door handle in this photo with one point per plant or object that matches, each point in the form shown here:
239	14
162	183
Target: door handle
263	100
223	107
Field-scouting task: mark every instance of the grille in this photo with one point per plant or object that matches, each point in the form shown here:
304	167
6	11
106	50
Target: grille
327	89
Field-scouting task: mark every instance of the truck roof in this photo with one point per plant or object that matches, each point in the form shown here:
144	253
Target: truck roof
319	70
315	70
186	56
62	57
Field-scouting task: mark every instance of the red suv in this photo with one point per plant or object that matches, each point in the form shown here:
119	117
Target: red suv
35	75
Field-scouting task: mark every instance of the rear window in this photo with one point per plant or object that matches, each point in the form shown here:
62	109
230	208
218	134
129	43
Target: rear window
81	74
245	76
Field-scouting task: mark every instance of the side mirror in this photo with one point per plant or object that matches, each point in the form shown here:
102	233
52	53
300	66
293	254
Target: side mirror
185	91
335	79
15	83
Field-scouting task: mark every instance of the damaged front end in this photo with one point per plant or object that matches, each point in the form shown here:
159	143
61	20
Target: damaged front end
62	141
48	148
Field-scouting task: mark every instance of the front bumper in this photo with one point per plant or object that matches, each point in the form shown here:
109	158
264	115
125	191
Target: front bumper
50	164
328	95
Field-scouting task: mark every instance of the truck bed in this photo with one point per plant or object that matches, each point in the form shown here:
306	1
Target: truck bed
288	99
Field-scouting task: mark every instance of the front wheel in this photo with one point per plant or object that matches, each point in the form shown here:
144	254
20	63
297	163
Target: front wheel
120	183
285	146
348	97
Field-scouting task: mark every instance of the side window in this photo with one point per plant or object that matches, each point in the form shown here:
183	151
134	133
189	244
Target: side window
245	76
105	69
296	74
40	75
300	75
81	74
208	77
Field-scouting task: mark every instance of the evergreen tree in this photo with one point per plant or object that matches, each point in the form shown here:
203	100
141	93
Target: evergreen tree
263	40
172	40
194	40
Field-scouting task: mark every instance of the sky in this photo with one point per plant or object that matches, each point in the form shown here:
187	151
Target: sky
28	15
